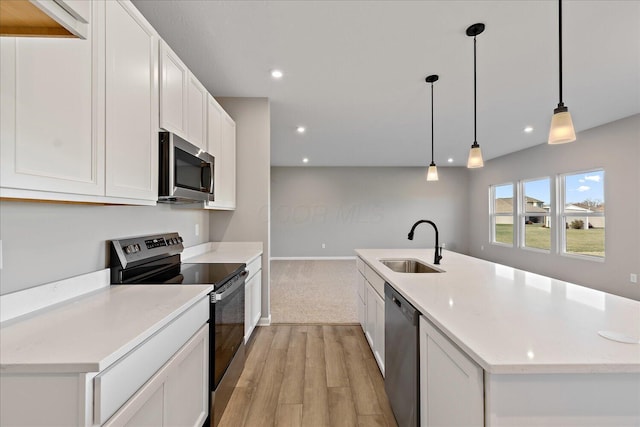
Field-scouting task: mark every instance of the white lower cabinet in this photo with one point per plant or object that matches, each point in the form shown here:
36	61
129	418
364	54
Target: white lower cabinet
361	301
372	309
164	381
451	384
252	297
177	395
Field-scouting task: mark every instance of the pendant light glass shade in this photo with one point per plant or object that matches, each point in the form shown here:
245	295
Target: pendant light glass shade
432	172
475	154
475	157
561	130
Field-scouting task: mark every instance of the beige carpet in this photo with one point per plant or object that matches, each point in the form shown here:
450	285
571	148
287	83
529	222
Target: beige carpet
314	291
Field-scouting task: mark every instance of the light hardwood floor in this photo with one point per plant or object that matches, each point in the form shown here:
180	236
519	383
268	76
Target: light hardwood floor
309	375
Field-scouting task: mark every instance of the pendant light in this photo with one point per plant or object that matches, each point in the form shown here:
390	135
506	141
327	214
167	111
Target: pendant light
475	155
432	172
561	130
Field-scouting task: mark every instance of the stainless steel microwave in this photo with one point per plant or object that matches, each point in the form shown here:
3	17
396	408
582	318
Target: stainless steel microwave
186	171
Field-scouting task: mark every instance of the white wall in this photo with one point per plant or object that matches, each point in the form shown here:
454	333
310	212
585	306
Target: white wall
364	207
45	242
250	221
615	147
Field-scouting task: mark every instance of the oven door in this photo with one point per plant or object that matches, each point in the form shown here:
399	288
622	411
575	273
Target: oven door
227	333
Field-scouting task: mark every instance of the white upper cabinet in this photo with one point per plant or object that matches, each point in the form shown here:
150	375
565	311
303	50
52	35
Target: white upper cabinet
221	143
131	103
183	99
51	112
80	117
197	113
46	18
174	89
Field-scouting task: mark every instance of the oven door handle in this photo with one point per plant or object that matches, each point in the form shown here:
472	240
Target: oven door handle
237	282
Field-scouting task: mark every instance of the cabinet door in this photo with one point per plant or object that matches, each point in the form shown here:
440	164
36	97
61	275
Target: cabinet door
221	138
256	298
187	387
451	384
253	304
361	300
174	78
197	113
150	413
131	103
227	191
370	316
51	109
379	339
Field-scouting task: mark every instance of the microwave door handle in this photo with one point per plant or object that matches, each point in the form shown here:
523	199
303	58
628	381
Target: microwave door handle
211	170
203	166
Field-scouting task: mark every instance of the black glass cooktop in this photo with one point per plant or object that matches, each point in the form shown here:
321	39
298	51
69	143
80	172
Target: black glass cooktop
197	274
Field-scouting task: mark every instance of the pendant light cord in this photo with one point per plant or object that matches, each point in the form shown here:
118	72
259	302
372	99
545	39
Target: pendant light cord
431	122
560	47
475	107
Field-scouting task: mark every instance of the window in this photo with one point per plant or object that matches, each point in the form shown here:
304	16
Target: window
501	213
582	213
534	214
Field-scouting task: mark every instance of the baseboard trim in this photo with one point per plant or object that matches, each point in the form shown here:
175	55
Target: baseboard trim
264	321
311	258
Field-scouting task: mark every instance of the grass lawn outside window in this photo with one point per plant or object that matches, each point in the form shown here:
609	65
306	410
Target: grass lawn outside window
588	242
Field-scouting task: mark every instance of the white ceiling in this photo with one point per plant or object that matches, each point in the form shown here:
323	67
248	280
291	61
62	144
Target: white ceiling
354	71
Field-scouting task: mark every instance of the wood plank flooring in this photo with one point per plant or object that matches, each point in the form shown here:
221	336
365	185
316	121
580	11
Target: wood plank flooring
309	375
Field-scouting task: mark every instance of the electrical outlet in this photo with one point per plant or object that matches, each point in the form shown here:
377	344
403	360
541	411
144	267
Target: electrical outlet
482	247
324	246
633	278
197	229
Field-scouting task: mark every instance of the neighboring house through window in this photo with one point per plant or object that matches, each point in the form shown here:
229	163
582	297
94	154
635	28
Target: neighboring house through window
583	214
502	213
534	214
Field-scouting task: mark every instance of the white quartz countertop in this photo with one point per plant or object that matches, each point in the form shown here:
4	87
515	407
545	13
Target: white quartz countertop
511	321
223	252
89	333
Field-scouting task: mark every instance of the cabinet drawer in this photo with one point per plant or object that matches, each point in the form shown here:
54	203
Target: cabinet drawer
115	385
376	281
254	266
360	265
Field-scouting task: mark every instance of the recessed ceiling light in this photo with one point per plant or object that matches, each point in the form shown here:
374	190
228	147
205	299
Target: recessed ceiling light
276	74
528	129
305	160
450	160
301	129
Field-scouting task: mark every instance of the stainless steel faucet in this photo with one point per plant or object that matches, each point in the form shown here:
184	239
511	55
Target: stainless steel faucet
438	250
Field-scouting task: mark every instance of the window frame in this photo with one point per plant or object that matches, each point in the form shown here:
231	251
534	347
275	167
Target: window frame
563	217
522	214
493	215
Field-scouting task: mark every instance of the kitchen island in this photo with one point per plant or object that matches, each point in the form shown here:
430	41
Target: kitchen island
535	340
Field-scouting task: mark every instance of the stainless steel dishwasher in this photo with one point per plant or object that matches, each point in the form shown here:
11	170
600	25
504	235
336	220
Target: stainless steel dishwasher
402	379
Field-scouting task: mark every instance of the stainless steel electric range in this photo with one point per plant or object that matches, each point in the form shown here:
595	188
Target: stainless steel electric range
155	259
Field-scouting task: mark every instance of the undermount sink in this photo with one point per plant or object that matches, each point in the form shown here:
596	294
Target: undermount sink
409	266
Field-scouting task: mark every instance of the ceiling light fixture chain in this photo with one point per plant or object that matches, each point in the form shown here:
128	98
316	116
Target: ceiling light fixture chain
475	154
432	172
